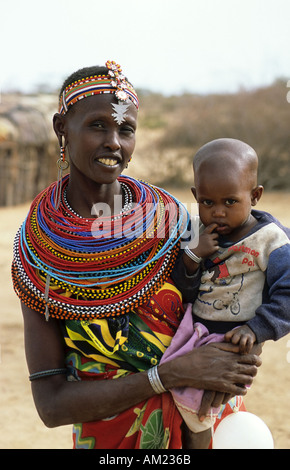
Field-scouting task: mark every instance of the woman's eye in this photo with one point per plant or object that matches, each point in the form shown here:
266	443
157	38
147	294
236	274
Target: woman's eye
97	124
127	130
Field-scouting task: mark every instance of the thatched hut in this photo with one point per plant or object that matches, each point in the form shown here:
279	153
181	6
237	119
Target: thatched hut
28	148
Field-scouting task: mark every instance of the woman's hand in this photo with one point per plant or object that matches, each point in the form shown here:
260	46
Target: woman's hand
212	399
217	367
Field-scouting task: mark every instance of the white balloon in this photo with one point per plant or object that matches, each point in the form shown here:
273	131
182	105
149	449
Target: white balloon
242	430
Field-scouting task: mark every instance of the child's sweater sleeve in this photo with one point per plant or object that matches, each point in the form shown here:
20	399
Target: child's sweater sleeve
188	285
272	320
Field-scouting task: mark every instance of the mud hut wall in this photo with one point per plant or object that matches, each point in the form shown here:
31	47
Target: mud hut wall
25	170
28	151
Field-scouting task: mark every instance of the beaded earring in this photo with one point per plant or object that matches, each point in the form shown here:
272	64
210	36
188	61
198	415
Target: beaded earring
62	165
129	161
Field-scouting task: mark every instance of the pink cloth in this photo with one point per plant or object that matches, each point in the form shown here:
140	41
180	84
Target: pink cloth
189	336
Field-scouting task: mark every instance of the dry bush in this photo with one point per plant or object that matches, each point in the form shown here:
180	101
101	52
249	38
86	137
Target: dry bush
175	127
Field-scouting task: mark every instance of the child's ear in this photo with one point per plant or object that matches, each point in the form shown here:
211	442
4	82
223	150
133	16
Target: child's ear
256	194
193	190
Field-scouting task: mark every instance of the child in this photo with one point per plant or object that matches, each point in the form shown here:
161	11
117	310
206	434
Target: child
243	260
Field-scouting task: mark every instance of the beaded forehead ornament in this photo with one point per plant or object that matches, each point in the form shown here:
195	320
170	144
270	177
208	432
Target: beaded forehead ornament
115	82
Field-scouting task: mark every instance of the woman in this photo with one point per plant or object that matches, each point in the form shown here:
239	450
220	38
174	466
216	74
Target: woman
93	266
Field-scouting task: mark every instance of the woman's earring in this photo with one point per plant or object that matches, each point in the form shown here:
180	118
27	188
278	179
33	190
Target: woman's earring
129	161
62	165
62	153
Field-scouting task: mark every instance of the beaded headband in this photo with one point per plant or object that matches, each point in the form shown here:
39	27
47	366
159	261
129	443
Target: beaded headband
114	82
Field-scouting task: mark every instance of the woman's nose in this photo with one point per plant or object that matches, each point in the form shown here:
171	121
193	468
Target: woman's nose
112	140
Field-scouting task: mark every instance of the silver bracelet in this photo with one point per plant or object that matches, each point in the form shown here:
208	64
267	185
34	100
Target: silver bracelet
192	256
46	373
155	381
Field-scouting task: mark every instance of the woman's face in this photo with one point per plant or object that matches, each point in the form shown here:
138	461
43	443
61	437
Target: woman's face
99	148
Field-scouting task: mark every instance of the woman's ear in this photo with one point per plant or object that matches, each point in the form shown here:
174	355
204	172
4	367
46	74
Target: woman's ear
59	127
256	194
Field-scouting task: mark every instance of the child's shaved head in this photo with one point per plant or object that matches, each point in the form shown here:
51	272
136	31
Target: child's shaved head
227	156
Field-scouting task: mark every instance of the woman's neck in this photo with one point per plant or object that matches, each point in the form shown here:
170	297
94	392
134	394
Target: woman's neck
90	199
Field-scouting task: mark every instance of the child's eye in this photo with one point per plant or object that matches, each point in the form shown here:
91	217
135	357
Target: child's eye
207	202
230	202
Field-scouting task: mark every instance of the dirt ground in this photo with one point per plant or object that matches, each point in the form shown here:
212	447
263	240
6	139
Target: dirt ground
21	427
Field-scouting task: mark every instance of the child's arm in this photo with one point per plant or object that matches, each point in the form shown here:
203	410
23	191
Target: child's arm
186	272
243	336
272	319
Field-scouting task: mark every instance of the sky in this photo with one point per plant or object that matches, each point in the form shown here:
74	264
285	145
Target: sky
165	46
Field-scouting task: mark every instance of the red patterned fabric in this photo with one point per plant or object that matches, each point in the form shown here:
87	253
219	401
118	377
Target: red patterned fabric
107	349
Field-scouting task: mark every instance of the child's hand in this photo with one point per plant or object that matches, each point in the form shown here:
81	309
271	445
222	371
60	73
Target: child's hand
208	242
207	245
243	336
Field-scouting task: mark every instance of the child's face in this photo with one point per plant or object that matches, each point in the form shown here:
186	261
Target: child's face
225	198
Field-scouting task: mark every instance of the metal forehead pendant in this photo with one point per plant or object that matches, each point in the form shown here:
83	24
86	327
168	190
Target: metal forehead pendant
120	111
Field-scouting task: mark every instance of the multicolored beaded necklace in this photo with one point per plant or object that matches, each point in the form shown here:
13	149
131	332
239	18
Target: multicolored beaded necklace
63	266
